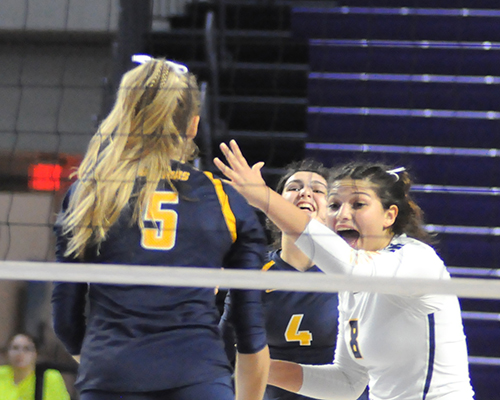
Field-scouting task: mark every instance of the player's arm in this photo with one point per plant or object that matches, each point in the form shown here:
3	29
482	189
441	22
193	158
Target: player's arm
248	181
287	217
252	352
246	314
227	331
68	314
251	374
286	375
344	379
317	381
68	299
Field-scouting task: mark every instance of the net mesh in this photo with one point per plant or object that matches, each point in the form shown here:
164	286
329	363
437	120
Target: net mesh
410	83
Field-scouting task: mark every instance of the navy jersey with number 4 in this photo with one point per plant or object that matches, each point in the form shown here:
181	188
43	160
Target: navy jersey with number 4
300	326
147	338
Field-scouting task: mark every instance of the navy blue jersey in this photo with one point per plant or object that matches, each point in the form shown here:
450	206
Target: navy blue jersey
300	326
140	338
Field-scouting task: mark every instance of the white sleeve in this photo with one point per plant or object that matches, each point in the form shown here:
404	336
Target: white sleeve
332	254
327	249
342	380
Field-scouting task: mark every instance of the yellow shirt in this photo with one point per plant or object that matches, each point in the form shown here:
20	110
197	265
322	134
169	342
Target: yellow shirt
54	387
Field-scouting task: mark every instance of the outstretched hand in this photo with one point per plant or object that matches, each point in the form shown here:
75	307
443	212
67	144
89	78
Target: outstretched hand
246	180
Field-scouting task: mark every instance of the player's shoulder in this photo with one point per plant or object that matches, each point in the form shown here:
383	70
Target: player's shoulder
214	180
276	263
269	265
181	172
406	244
197	180
418	254
229	196
413	249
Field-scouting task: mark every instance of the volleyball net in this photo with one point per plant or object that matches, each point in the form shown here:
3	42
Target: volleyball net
407	85
424	98
244	279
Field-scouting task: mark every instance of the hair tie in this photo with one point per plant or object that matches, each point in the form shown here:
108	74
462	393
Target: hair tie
158	80
144	58
394	172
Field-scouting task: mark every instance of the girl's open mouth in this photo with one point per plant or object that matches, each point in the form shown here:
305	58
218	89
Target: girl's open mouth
351	236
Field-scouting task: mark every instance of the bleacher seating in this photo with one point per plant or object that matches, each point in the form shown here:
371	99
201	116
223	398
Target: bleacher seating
410	85
262	75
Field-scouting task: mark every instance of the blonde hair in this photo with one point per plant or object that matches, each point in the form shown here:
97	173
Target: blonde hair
144	131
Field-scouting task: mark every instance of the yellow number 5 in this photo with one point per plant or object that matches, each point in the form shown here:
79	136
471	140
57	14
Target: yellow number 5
292	333
162	236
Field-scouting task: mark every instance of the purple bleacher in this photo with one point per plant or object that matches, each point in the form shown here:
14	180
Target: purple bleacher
404	57
480	305
469	250
484	379
401	91
429	165
493	4
396	23
459	209
482	334
418	88
403	130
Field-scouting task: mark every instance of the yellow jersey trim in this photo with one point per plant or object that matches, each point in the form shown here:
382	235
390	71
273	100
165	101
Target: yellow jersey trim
225	206
268	265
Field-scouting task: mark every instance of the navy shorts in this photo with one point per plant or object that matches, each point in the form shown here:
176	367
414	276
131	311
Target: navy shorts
219	389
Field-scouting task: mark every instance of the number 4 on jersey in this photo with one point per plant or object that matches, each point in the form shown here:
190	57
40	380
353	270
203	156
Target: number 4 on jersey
162	236
292	333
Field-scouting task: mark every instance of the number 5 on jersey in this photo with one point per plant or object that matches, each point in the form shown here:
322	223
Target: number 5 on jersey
292	333
162	236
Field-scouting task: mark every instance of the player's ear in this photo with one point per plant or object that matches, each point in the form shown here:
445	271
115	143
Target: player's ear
390	216
192	129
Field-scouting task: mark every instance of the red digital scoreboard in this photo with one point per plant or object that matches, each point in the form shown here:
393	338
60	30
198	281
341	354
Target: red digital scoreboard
44	177
52	175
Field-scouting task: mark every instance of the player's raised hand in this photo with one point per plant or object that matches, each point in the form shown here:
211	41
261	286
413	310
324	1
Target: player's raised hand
249	182
245	179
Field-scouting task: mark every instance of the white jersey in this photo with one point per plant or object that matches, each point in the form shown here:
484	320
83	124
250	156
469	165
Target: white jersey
404	347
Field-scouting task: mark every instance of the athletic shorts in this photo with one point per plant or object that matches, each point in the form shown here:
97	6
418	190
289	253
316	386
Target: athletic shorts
219	389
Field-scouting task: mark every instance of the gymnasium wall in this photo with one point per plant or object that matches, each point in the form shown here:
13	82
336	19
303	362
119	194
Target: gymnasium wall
55	56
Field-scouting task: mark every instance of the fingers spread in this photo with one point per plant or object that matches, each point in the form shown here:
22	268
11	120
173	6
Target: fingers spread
237	152
258	166
223	167
238	169
234	156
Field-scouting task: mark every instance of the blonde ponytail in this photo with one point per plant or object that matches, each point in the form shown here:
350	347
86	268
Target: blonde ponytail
143	133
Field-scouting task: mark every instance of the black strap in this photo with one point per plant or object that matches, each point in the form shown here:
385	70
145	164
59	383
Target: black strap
39	372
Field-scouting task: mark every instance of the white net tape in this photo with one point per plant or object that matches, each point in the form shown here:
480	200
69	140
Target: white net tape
238	279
